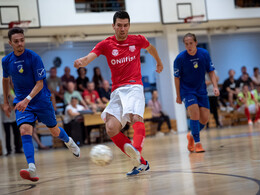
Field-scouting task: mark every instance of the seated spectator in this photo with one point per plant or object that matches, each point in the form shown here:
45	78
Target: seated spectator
92	98
157	115
55	86
97	78
9	122
247	104
213	100
256	77
73	93
82	80
73	122
244	80
228	92
105	92
66	78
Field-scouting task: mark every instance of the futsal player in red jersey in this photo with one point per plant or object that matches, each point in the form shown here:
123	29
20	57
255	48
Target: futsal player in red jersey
127	100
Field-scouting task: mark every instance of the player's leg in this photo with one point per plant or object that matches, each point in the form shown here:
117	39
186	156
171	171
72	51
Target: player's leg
25	122
62	135
26	135
113	127
47	116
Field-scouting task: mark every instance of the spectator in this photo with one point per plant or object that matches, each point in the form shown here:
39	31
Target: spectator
256	77
248	104
73	122
213	100
55	86
66	78
157	115
97	78
73	93
105	92
72	110
8	122
229	92
92	98
242	77
244	80
82	80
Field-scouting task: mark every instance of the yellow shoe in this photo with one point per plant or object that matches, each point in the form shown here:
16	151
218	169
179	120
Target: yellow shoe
199	148
191	143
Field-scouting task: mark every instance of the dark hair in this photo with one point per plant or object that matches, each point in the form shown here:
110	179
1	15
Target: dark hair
78	71
15	30
190	35
122	15
256	68
53	68
97	79
74	97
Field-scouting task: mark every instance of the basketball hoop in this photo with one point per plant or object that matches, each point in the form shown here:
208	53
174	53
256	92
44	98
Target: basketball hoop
194	20
22	24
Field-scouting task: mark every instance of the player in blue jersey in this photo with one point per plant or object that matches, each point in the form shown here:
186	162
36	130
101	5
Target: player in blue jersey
190	67
32	101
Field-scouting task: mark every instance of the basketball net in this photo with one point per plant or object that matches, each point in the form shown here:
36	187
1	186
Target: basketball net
22	24
194	20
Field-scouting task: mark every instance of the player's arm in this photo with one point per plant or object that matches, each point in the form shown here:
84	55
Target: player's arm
177	87
21	106
214	81
6	106
153	52
84	61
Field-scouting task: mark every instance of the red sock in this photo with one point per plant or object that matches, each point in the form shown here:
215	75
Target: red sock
257	115
120	140
247	113
139	136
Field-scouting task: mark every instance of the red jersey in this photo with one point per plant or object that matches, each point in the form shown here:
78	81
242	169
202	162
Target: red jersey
123	58
93	95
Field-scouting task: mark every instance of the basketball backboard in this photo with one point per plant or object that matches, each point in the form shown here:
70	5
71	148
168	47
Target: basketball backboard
19	10
176	11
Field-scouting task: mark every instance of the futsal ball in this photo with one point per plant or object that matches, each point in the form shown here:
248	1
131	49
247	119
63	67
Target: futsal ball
101	155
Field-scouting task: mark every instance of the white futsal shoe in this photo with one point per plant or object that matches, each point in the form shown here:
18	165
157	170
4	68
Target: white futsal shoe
73	147
133	153
29	174
140	169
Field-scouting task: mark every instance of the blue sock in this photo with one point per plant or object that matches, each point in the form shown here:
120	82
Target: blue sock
201	126
28	148
63	135
195	130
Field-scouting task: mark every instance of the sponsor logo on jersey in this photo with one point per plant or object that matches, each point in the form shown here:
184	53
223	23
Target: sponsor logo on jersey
20	69
176	71
115	52
41	72
132	48
195	64
20	61
122	60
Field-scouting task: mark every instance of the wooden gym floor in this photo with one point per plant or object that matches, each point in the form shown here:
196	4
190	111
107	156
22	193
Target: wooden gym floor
230	165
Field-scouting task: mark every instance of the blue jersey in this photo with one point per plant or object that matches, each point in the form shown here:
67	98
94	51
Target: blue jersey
191	70
25	70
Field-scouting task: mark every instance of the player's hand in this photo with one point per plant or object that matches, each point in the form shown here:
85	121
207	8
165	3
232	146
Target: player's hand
78	63
178	100
7	109
21	106
159	67
216	91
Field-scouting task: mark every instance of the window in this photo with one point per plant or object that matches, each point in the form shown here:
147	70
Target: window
247	3
83	6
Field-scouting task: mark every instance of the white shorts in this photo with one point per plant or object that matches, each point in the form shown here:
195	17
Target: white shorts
125	100
251	108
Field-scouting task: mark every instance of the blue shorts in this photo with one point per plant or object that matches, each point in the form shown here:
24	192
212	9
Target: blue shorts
43	111
202	101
